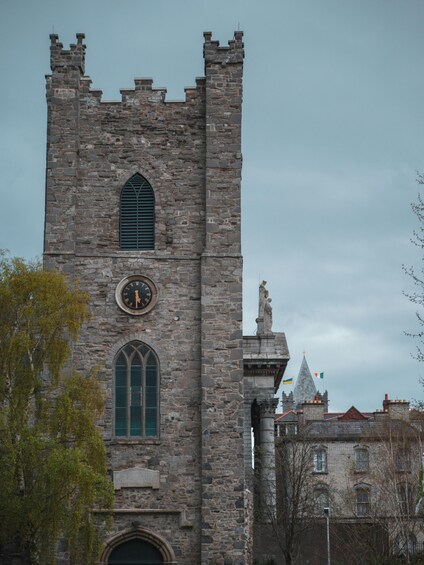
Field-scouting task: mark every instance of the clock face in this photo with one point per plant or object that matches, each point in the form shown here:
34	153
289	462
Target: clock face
136	295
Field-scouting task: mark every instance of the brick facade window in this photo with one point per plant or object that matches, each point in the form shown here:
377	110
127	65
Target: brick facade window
361	460
403	460
362	501
136	391
137	215
406	544
322	499
406	499
320	460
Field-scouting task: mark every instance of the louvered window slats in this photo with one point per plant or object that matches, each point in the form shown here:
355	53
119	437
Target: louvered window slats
137	223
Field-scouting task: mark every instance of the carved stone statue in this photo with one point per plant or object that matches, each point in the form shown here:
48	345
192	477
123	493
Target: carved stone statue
268	317
264	319
263	297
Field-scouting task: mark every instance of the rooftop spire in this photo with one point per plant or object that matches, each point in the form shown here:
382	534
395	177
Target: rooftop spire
305	388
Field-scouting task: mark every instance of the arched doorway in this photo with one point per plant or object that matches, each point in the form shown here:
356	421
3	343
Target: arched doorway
137	546
135	552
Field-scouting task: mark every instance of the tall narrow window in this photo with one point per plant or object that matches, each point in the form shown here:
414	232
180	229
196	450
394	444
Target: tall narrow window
320	460
405	499
322	499
137	220
362	501
403	460
361	460
136	391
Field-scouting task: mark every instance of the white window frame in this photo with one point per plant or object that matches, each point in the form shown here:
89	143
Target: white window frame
320	460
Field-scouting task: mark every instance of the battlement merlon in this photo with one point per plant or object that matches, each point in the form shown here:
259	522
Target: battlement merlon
213	53
74	57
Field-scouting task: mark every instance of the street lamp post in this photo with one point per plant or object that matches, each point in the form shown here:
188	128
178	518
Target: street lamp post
327	517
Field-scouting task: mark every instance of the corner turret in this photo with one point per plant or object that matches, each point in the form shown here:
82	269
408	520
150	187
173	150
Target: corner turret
287	402
72	58
214	53
224	77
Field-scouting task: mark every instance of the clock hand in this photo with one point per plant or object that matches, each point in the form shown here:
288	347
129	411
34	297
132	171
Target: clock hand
137	299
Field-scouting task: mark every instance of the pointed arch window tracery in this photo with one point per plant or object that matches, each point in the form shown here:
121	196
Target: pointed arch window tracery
136	391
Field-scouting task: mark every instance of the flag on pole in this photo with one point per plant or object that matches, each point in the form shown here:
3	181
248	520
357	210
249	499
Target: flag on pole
319	375
288	381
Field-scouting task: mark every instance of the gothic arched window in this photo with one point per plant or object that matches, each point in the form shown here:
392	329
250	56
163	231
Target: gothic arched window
136	391
137	215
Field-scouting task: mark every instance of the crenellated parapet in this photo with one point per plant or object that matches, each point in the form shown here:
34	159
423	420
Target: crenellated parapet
68	66
323	397
287	401
214	53
144	91
74	57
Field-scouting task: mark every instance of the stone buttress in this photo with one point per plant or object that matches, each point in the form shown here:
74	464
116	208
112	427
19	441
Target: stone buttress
223	481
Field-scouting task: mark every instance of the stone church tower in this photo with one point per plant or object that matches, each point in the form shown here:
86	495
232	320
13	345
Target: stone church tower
143	209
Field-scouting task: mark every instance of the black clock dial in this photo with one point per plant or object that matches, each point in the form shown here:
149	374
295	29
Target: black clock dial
136	295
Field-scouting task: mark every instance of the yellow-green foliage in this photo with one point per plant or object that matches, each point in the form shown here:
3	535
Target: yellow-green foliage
52	457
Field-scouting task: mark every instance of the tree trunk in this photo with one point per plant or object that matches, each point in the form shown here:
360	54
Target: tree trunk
288	558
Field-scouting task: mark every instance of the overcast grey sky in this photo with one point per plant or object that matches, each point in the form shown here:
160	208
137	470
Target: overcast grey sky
333	134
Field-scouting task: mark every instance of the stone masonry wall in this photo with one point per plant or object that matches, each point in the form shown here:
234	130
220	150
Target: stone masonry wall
93	148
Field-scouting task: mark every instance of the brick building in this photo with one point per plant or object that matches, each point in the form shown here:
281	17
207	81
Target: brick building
365	466
143	209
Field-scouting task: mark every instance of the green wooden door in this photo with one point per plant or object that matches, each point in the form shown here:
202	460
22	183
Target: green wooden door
135	552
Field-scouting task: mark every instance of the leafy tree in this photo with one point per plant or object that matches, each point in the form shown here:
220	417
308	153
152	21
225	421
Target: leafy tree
52	457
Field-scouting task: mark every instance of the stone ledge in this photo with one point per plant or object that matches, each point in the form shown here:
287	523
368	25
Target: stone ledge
184	521
138	441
